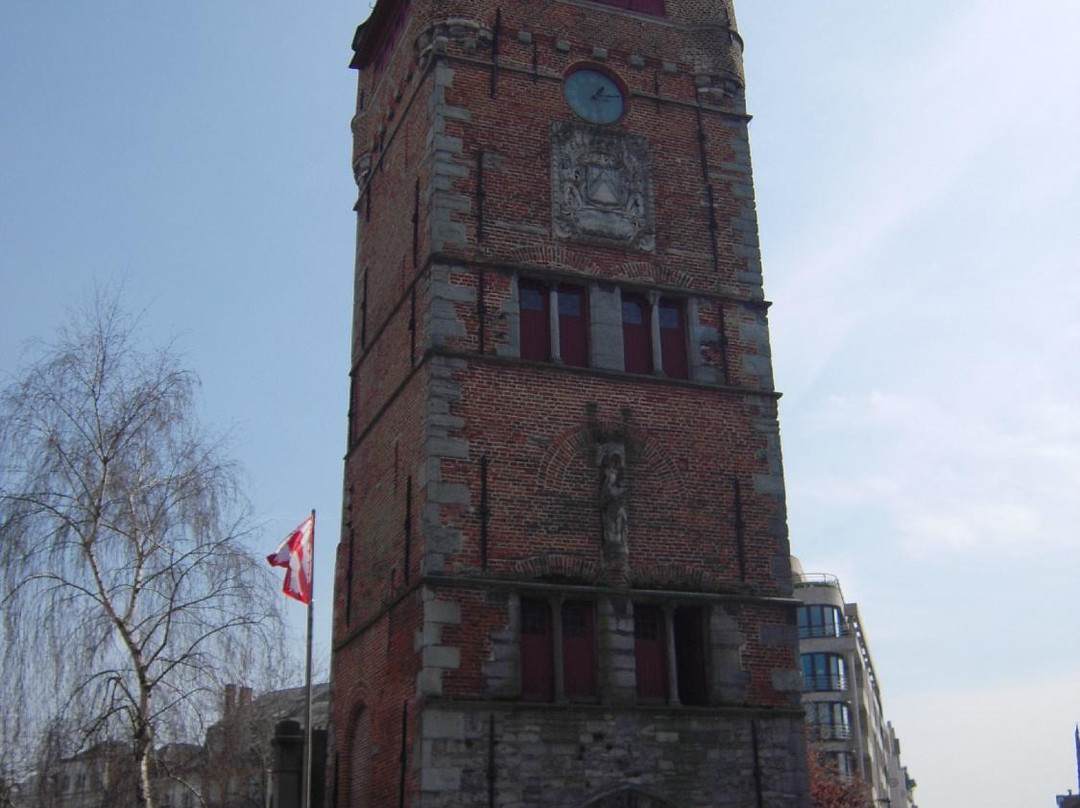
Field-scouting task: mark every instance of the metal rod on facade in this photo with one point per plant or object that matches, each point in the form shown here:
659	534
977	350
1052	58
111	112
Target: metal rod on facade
307	742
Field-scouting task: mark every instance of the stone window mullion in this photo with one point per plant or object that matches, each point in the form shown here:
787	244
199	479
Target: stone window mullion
654	328
672	663
557	647
553	319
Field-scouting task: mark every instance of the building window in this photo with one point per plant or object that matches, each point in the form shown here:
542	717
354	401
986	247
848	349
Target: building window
579	651
820	621
845	764
535	322
673	357
537	652
650	657
659	633
824	672
573	326
829	720
637	334
571	343
568	644
653	7
689	630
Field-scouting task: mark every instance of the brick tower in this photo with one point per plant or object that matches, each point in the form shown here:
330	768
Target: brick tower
563	578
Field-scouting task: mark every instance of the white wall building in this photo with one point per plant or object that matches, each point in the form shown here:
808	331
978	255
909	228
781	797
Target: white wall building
841	693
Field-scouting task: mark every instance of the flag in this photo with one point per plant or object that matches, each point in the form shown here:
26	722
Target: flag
294	554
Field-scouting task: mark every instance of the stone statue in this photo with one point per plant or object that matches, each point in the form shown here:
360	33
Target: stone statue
613	504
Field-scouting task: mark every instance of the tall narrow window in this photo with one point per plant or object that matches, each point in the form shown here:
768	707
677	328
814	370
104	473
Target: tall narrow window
579	651
824	672
689	629
820	621
637	339
650	657
537	657
535	322
829	720
573	326
673	339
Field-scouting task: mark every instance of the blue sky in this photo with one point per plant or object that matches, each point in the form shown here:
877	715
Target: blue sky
918	181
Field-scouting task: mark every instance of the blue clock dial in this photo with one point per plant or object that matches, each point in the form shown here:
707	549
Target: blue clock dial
594	96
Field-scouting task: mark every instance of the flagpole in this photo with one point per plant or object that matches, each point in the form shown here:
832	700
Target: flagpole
307	744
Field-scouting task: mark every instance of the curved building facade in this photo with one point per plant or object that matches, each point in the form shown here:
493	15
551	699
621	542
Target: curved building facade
841	691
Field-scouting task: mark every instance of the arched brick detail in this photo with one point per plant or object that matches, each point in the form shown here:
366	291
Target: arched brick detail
674	277
555	566
640	271
350	704
647	272
665	575
554	256
575	450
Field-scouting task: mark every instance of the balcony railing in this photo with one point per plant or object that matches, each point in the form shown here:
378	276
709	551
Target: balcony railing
828	630
830	732
816	579
824	682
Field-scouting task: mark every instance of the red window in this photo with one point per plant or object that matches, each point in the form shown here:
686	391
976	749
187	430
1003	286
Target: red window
689	629
650	657
537	659
573	326
579	650
673	339
535	322
654	7
637	336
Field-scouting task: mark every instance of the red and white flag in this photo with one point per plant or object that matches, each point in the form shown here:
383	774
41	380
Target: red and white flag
294	554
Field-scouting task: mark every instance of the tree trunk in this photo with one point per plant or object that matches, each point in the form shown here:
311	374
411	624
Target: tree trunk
144	747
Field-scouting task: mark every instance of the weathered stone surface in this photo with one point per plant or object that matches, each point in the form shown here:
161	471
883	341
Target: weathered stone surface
600	184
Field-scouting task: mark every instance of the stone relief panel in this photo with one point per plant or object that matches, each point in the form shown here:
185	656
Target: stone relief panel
600	184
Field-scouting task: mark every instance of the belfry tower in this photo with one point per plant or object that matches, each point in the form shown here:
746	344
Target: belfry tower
563	578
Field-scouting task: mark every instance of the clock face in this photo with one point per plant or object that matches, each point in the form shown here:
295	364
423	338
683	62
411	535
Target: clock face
594	96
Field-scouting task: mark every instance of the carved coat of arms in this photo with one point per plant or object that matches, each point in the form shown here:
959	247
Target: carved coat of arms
600	186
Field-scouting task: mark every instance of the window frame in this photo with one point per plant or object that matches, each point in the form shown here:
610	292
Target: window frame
573	329
674	349
653	687
637	337
537	656
689	626
534	339
813	621
837	723
822	675
579	652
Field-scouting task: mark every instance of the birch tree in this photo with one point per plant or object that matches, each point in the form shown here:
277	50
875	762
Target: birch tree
127	590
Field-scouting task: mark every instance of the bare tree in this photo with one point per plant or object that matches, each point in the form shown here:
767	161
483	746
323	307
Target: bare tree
128	594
